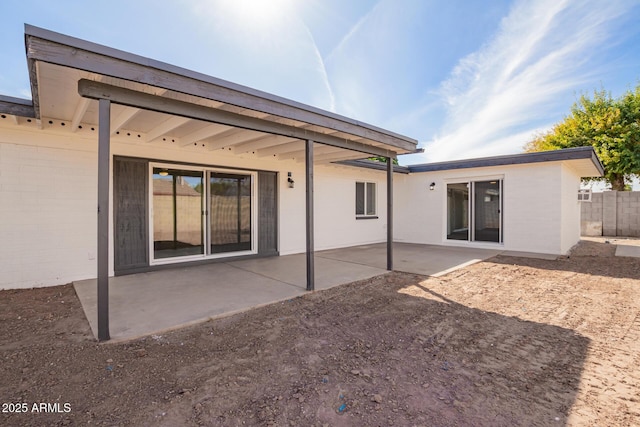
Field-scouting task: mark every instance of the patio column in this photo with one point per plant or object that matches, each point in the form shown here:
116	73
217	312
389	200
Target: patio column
389	213
104	120
308	169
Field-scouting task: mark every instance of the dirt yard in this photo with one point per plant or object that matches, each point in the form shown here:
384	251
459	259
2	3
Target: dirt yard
506	342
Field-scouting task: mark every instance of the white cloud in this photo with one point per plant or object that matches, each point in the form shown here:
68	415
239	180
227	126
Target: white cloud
499	96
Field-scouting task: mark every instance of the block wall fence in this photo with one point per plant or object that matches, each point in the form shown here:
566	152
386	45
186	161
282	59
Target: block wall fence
611	213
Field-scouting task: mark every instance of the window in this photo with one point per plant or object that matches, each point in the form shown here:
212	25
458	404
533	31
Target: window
584	195
365	199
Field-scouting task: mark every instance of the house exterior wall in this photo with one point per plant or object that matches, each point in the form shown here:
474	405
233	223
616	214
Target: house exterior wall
47	210
570	213
48	198
539	215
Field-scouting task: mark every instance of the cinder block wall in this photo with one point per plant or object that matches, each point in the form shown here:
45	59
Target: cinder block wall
628	213
611	213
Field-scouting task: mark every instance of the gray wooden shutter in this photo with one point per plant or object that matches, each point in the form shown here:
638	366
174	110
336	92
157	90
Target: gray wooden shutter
130	212
267	213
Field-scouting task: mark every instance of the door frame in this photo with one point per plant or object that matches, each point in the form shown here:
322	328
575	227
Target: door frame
470	181
205	214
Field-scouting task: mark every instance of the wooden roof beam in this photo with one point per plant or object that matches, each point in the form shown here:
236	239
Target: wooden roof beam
122	118
285	147
334	157
234	138
128	97
204	133
166	127
78	115
261	143
318	151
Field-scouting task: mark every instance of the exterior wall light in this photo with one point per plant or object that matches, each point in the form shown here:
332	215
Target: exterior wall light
290	180
163	172
432	186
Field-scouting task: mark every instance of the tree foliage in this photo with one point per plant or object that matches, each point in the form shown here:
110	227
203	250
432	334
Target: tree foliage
382	160
611	126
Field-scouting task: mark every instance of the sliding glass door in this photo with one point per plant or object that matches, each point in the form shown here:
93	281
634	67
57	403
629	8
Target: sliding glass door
486	224
474	211
192	220
458	211
177	213
230	212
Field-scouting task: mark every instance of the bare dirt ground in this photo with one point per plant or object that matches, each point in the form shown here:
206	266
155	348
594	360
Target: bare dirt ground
510	341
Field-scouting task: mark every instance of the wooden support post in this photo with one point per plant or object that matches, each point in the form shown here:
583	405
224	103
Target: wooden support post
104	137
309	213
389	213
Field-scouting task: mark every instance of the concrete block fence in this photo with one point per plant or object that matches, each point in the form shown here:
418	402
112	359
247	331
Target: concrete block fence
611	213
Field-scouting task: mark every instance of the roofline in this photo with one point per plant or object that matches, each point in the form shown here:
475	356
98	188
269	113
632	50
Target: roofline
17	106
76	43
372	164
575	153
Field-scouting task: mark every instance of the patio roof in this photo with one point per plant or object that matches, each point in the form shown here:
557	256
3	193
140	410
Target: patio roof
583	159
245	121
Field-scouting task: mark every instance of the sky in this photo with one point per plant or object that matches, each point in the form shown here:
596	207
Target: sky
466	78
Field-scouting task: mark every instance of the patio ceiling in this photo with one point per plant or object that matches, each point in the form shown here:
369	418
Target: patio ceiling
265	125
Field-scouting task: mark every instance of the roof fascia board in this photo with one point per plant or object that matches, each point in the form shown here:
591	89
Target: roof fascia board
576	153
59	49
368	164
131	98
17	106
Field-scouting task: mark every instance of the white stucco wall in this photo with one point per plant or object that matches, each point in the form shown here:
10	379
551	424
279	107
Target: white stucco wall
47	209
570	208
539	213
48	185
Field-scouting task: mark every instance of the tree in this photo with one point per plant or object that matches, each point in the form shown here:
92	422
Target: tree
382	160
611	126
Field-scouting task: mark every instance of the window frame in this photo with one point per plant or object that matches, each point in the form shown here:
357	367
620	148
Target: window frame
471	181
365	215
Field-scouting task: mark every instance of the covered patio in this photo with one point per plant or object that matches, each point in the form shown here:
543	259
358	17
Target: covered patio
151	119
153	302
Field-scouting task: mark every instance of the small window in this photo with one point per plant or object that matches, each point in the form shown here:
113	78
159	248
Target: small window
584	195
365	199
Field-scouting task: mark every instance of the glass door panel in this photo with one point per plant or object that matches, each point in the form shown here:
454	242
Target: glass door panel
230	212
177	213
458	211
487	207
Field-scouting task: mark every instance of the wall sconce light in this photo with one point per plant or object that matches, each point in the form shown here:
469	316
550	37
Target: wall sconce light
163	172
432	186
289	180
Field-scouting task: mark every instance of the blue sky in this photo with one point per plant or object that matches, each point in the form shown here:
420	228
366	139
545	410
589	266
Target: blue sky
467	78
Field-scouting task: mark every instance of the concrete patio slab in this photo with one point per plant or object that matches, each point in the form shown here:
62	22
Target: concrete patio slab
292	269
628	250
429	260
534	255
146	303
150	303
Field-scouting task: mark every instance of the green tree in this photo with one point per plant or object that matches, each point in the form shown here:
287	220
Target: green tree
611	126
382	160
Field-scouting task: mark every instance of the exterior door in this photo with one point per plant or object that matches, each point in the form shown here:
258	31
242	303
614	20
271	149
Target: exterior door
487	211
229	212
474	211
177	213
